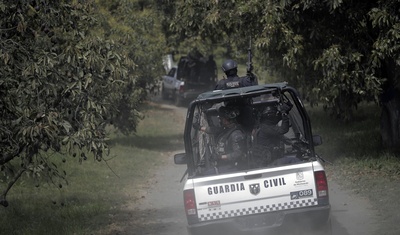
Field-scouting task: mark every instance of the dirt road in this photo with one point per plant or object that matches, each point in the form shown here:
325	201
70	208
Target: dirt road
162	206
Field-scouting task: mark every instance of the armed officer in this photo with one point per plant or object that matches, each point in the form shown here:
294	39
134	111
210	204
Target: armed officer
230	145
232	80
270	132
268	138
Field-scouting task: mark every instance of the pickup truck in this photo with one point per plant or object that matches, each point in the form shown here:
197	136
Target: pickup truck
184	82
286	197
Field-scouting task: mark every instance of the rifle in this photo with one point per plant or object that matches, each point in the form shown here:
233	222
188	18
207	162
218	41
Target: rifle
249	59
183	176
250	74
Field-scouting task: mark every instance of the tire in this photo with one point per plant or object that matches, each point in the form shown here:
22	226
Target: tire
178	100
164	94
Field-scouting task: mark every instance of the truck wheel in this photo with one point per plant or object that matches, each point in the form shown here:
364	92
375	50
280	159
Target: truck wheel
164	94
178	100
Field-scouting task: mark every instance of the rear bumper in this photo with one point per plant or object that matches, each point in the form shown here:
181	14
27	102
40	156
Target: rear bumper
288	220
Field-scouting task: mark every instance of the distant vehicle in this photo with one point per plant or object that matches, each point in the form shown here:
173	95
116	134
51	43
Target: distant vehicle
170	83
193	75
283	194
168	62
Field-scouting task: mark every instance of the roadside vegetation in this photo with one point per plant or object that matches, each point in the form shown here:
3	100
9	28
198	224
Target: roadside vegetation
358	163
75	75
97	191
71	68
353	149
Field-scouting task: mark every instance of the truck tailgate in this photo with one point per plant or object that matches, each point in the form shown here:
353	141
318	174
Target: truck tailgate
254	192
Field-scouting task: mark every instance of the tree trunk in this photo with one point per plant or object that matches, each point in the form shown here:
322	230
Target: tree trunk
390	115
390	123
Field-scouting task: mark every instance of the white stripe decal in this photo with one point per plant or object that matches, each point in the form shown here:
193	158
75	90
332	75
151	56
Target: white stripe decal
257	210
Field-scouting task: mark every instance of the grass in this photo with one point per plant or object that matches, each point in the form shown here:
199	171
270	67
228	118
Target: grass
356	144
97	190
355	147
356	139
359	164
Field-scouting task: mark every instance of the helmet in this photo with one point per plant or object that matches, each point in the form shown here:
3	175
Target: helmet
228	112
270	111
229	65
271	115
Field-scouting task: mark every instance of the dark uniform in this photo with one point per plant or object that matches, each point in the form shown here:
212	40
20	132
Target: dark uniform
270	133
227	83
268	144
233	80
232	144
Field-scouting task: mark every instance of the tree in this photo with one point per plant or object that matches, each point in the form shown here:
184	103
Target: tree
63	79
340	53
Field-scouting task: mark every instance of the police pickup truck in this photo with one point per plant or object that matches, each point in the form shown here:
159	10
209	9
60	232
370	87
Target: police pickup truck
282	189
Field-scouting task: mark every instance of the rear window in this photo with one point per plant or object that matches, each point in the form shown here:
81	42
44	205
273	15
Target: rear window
208	147
171	72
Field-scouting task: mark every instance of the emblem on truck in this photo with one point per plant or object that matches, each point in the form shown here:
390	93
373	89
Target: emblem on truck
254	189
299	175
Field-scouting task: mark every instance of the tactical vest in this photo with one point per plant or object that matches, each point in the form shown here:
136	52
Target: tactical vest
235	82
264	154
223	141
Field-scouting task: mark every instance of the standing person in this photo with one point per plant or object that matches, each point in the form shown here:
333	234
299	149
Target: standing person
211	67
232	80
229	67
230	142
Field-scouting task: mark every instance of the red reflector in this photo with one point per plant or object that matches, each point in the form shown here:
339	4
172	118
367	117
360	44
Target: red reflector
190	202
322	183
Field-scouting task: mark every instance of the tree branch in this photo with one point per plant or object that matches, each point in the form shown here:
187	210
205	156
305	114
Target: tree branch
3	200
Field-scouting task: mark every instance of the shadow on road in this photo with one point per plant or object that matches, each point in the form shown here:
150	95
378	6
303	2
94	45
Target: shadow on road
141	222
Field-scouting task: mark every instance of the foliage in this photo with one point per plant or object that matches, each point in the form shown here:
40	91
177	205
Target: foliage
135	26
358	163
64	77
97	200
335	51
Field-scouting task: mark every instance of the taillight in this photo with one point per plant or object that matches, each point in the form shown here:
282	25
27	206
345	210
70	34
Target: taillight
181	88
190	206
322	187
